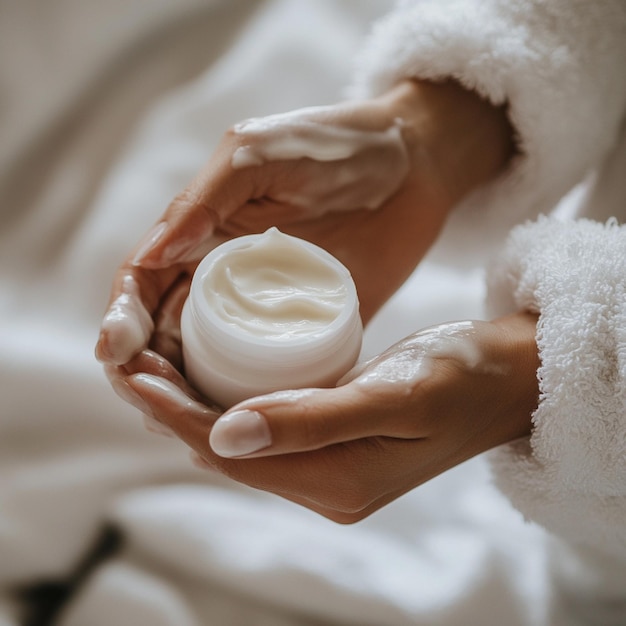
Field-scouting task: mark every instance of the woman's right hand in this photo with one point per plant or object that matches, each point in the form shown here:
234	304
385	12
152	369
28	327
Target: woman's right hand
426	404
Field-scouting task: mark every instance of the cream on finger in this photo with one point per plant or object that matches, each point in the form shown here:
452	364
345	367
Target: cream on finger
127	326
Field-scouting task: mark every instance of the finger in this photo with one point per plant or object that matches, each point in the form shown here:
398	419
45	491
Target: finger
155	364
156	427
163	400
166	339
128	325
192	421
149	362
185	231
354	372
297	421
343	482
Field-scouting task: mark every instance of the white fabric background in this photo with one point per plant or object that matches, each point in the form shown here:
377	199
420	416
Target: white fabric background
109	109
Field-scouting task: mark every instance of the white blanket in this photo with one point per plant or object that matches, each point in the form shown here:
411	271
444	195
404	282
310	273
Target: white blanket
111	107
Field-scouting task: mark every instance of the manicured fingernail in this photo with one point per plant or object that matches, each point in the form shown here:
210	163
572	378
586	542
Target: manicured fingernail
128	394
152	237
240	433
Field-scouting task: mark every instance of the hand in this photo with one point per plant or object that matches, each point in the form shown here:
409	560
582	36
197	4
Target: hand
428	403
372	182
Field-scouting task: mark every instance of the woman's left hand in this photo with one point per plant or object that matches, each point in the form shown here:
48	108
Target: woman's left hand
426	404
388	172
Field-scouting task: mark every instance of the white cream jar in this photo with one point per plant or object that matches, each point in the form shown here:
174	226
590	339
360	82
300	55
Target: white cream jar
269	312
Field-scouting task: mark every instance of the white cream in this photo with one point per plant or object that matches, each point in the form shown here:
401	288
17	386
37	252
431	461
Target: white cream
127	325
269	312
275	288
411	360
370	165
294	135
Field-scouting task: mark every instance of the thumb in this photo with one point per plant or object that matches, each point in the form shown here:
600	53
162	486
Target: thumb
308	419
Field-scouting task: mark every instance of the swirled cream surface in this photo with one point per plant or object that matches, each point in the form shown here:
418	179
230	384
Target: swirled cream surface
275	287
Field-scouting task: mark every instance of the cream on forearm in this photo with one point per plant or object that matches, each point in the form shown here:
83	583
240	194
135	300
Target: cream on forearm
269	312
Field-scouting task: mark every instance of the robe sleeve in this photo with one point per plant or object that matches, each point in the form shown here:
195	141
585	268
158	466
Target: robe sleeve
560	67
570	476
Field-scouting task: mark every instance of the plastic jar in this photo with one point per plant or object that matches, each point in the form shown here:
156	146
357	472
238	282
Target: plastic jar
269	312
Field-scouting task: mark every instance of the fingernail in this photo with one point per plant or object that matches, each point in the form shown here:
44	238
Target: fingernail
128	394
240	433
151	238
154	426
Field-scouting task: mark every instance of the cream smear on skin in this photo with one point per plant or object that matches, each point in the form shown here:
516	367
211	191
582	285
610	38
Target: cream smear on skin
127	325
369	165
411	360
275	288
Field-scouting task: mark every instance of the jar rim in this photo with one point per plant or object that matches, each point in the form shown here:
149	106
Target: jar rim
230	337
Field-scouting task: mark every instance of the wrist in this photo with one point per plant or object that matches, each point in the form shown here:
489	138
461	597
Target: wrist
519	332
463	140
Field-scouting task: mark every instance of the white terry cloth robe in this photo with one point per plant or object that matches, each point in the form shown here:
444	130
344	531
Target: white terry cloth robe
560	66
115	135
73	456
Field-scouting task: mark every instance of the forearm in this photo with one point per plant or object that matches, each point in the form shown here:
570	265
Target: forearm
459	138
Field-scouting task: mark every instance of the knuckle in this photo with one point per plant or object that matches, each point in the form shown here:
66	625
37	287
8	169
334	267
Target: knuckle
345	519
193	199
184	200
356	500
342	480
352	495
